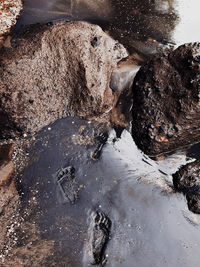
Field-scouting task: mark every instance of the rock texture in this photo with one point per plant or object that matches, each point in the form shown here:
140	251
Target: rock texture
55	70
193	200
187	177
9	11
166	101
187	180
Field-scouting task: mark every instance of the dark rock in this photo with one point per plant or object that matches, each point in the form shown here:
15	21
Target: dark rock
187	177
166	95
68	186
95	42
187	180
58	74
99	235
6	152
193	200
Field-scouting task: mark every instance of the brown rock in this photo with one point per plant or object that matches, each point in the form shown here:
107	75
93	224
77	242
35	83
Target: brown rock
6	165
9	12
55	70
6	171
166	101
6	152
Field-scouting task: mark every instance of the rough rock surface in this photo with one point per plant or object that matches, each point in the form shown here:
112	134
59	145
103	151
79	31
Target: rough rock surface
187	180
9	11
55	70
187	177
193	200
166	101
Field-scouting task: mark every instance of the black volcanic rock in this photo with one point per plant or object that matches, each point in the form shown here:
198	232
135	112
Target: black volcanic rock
166	101
187	177
193	200
187	180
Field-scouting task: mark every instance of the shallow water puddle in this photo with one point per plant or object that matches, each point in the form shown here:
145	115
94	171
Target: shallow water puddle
151	225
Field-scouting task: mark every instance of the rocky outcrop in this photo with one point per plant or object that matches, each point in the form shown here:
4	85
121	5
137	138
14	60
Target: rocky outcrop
9	11
166	101
55	70
187	180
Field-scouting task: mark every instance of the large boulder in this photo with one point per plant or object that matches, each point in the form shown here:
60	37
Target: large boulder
9	12
54	70
166	101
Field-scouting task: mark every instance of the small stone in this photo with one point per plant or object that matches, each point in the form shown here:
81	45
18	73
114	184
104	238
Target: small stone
187	180
193	200
187	177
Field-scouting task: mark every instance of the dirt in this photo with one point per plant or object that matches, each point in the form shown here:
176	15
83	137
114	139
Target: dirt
166	101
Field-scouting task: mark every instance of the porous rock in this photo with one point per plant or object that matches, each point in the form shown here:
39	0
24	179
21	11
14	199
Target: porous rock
9	12
187	180
193	200
187	177
54	70
166	101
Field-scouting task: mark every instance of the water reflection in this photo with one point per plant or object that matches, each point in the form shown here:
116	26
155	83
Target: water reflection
148	218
